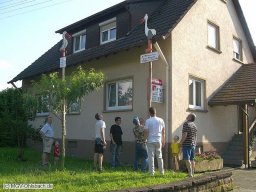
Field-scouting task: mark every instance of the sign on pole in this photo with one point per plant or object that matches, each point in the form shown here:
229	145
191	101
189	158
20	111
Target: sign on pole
149	57
157	91
62	62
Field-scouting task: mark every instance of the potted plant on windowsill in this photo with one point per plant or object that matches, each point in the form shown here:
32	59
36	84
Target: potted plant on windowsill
208	161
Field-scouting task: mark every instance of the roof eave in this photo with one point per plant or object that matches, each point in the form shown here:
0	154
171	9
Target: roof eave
245	27
225	103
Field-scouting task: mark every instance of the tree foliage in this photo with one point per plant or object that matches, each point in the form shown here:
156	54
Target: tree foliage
15	108
61	91
75	86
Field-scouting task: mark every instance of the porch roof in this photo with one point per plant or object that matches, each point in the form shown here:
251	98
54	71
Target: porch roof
239	89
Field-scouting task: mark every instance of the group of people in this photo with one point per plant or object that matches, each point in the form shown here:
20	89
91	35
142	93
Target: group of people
149	141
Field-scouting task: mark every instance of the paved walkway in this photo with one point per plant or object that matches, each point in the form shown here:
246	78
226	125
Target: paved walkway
244	180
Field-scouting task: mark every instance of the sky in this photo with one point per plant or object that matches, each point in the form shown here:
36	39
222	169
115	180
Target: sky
28	28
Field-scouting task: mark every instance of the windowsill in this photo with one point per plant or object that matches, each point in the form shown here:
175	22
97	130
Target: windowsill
102	43
197	110
213	49
78	51
238	61
117	110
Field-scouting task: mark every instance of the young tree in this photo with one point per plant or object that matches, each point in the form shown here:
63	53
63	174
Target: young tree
60	92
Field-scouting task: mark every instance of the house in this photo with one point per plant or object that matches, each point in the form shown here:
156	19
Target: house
203	44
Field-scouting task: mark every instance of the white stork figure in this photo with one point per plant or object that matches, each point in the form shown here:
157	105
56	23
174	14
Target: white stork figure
64	45
149	33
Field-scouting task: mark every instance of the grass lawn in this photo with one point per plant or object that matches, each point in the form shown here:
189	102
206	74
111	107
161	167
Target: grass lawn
78	175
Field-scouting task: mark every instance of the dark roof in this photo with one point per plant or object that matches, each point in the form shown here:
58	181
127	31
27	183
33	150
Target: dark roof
164	19
239	89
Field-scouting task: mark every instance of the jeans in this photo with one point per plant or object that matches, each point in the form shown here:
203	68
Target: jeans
141	152
116	150
155	149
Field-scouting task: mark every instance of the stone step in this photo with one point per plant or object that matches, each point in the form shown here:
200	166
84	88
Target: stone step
233	153
233	163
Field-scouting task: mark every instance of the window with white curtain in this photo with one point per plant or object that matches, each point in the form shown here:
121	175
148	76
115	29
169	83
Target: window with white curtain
237	49
196	93
119	95
79	41
213	36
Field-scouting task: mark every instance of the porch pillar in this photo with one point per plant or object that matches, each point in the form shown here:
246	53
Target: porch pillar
246	135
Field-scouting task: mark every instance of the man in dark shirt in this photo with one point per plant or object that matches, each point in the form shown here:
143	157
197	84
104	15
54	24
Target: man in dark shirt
116	141
188	142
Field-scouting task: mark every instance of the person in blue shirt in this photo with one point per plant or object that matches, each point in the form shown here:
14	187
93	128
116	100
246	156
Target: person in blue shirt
47	134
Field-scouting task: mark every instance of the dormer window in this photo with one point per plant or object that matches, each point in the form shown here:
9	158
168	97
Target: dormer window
108	31
79	41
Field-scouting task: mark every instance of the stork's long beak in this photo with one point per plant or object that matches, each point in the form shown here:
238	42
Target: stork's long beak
142	20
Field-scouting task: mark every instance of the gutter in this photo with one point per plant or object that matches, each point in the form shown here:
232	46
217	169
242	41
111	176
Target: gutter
167	93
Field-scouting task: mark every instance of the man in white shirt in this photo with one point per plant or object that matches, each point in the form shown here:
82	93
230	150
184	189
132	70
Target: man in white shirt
155	134
100	141
48	138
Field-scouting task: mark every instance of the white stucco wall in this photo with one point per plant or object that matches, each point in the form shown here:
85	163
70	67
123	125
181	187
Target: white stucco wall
192	57
119	66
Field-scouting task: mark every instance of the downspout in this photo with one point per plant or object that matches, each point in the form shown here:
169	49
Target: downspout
167	81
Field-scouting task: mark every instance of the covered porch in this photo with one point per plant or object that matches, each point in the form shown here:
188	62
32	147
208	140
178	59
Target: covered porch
240	90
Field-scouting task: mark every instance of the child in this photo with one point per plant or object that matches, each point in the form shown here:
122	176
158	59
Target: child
175	147
56	152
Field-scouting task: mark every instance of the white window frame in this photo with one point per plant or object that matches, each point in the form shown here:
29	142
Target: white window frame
237	49
213	37
71	108
107	26
117	107
193	80
43	113
79	34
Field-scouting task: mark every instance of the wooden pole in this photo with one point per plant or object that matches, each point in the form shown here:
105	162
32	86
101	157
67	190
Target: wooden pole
63	121
149	50
246	136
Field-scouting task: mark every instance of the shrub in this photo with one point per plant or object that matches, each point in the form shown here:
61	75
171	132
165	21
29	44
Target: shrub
210	155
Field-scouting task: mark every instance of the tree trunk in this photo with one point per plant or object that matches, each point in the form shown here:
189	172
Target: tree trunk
63	125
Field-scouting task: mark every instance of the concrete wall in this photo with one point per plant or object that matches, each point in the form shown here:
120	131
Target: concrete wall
192	57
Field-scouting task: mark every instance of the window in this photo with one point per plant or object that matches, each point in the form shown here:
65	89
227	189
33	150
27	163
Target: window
108	31
213	36
74	106
119	95
237	49
79	41
196	93
43	105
